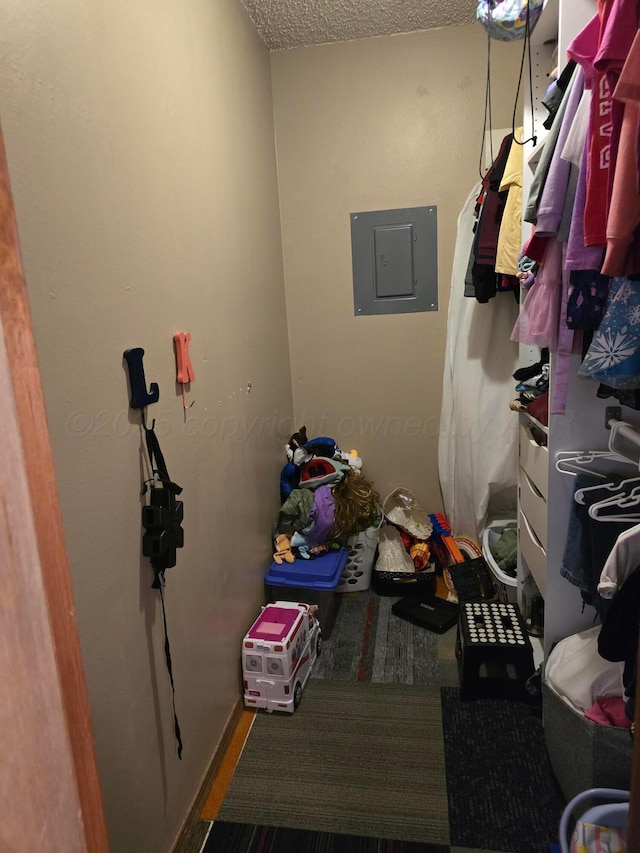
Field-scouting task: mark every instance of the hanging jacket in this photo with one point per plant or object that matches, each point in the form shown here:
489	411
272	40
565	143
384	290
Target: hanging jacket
486	240
618	638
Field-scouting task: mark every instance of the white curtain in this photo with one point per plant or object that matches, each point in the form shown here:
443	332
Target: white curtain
478	442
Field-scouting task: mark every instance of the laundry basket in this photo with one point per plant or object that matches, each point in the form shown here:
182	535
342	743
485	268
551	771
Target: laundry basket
600	827
506	586
361	550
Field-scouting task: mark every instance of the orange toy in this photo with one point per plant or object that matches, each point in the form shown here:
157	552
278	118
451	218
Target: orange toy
419	553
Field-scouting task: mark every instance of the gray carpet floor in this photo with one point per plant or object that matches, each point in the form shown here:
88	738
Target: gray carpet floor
355	758
369	643
365	752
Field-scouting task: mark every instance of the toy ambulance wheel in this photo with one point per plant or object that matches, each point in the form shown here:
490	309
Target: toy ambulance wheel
297	695
319	645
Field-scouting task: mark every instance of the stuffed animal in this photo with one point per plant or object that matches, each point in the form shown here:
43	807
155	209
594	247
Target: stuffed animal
307	549
283	549
354	461
295	448
321	471
324	446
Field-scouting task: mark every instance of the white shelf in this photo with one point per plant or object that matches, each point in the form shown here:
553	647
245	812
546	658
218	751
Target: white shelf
546	30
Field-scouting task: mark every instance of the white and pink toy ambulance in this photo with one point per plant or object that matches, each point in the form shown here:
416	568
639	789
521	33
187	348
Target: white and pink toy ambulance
278	654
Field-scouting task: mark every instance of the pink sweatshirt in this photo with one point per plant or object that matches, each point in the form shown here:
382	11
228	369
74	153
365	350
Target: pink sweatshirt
623	237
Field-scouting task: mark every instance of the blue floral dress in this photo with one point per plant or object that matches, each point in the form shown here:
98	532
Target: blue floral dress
614	354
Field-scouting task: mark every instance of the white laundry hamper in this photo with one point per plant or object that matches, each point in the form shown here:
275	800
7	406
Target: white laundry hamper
506	586
361	551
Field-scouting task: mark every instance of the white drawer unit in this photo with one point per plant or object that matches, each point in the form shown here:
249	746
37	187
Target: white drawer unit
533	552
534	458
534	507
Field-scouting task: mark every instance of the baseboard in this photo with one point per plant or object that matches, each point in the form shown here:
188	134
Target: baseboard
181	844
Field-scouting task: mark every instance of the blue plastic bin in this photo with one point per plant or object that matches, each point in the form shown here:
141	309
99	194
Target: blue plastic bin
608	814
309	581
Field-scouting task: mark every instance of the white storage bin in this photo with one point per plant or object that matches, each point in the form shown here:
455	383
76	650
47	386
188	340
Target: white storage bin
507	587
361	550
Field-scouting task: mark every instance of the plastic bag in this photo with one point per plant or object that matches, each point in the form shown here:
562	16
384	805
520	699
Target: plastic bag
402	509
392	556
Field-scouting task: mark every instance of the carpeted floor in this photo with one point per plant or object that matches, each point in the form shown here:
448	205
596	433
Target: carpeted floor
502	792
361	759
382	748
246	838
370	643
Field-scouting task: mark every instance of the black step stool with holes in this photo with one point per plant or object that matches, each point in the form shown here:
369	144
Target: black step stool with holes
494	653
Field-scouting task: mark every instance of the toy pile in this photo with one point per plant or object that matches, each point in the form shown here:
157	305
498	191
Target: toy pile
405	540
325	499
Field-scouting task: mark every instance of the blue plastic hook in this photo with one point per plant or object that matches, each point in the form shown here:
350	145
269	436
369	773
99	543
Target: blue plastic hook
140	397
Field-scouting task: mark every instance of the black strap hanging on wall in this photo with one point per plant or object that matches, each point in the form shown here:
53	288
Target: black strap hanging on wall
162	521
162	516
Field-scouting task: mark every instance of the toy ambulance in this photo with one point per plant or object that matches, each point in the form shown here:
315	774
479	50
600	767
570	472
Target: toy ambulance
278	654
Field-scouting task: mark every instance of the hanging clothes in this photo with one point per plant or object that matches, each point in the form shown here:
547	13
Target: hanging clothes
623	236
491	201
553	195
614	354
618	26
478	440
555	93
537	322
621	562
601	48
584	49
549	214
618	638
590	542
510	235
544	163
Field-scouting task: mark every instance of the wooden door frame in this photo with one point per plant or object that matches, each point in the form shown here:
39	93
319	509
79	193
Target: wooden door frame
36	526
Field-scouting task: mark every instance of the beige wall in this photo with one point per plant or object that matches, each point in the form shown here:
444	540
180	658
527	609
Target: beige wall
141	151
376	124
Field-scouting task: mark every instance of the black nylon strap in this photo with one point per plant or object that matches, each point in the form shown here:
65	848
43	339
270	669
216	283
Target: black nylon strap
167	654
160	468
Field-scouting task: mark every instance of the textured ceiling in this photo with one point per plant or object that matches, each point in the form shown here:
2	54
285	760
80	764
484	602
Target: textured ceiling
296	23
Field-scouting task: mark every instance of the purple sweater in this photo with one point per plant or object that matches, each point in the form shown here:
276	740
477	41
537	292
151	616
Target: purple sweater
555	189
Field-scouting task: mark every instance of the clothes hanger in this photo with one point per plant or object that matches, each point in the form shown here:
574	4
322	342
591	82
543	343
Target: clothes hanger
624	498
616	489
625	502
624	449
625	505
574	462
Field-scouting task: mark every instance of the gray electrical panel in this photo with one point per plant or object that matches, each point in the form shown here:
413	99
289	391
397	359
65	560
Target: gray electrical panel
395	260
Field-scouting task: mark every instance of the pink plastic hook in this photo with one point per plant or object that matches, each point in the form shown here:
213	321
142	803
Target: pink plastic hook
184	369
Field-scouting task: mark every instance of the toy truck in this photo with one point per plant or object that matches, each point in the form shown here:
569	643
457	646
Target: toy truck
278	654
